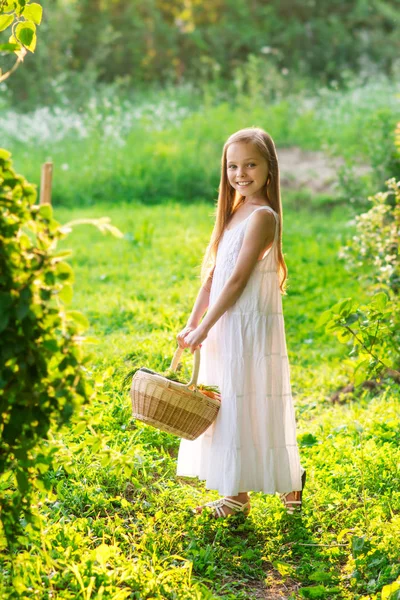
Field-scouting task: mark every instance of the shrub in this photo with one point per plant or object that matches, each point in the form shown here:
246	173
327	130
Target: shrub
374	328
43	373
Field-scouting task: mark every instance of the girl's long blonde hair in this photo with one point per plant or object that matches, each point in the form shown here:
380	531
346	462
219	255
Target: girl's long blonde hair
229	199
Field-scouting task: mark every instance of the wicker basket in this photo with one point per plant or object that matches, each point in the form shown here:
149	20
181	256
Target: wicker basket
171	406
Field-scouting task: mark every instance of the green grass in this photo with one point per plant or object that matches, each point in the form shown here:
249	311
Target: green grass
117	524
157	288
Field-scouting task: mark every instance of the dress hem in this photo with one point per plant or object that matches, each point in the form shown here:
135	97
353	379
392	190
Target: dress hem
235	493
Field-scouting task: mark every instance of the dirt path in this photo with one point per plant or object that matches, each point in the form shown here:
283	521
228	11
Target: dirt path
313	170
270	590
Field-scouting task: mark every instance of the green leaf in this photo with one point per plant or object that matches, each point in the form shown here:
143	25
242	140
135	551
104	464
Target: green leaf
285	569
102	554
23	305
33	12
313	592
5	301
391	591
343	335
80	428
342	534
26	34
9	47
23	483
22	4
379	300
5	305
91	340
61	254
46	211
360	372
308	439
19	585
66	293
357	545
50	345
323	318
4	318
64	271
78	318
5	21
4	154
342	306
320	576
352	318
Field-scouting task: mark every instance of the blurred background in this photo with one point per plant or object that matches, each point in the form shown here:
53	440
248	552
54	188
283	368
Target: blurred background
174	78
138	44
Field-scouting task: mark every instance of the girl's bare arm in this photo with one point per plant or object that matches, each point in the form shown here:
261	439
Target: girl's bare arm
201	303
258	236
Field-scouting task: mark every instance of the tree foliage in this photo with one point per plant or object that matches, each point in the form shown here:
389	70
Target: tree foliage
172	41
22	16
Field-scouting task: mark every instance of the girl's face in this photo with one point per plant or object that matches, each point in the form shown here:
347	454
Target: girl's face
247	169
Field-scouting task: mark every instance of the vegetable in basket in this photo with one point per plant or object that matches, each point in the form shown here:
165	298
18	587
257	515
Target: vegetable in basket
208	390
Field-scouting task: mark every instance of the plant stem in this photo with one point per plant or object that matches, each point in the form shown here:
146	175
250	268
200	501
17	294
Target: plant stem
369	351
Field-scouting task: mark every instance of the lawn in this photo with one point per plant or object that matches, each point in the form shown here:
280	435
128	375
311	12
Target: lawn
118	525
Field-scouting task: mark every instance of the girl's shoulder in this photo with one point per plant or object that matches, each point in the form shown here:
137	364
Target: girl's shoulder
268	208
262	212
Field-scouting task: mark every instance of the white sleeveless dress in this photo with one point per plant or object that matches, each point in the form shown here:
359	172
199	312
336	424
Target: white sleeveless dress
251	446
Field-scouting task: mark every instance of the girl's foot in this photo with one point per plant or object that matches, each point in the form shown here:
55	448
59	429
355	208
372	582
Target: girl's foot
227	506
293	501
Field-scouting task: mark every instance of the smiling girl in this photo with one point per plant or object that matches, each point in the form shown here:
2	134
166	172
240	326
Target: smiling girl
252	443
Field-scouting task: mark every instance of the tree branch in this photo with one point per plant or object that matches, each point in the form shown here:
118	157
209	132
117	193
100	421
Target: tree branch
19	60
369	351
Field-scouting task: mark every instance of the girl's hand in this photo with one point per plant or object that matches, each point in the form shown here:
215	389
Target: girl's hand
194	338
180	338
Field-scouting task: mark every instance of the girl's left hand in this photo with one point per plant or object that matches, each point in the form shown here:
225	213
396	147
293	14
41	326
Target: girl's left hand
194	338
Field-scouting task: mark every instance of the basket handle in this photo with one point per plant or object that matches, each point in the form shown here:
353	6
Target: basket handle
176	359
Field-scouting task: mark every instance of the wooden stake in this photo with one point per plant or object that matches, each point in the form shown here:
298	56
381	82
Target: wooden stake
45	183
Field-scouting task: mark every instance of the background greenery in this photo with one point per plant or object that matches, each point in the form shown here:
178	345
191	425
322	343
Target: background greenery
133	102
140	44
167	146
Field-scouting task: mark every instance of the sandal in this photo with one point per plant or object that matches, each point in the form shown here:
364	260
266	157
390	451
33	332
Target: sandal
297	503
217	506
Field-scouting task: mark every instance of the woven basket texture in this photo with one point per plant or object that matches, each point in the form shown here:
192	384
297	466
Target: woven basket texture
169	405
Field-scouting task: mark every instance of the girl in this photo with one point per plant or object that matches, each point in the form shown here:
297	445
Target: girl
252	443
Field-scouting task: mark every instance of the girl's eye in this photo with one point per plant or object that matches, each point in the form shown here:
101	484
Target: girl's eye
248	164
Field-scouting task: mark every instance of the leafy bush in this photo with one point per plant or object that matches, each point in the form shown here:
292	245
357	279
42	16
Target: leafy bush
376	241
374	327
43	373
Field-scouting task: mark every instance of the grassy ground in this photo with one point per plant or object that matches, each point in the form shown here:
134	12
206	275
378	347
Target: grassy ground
118	523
